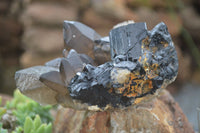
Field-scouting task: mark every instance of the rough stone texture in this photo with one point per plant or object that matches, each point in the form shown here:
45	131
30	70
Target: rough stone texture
68	120
162	115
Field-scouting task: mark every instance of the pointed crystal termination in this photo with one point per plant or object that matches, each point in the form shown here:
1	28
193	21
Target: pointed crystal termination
68	67
80	37
66	70
54	81
126	40
75	61
55	63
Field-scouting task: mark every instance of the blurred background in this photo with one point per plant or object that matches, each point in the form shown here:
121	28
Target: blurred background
31	34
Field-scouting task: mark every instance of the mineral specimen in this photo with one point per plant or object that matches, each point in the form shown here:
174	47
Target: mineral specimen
142	63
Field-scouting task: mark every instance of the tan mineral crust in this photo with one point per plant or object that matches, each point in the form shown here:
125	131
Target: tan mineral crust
160	115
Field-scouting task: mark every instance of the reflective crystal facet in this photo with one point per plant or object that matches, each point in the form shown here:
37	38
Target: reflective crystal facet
126	40
76	33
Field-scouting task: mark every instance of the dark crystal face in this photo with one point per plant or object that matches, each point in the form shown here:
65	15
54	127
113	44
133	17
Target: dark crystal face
142	62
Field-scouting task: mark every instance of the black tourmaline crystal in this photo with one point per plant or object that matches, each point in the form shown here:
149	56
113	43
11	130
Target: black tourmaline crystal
142	62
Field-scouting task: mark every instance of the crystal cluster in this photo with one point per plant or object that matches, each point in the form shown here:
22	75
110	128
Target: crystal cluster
142	62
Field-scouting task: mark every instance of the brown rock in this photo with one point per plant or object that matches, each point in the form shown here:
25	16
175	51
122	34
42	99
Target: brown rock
69	120
48	14
96	123
42	40
161	114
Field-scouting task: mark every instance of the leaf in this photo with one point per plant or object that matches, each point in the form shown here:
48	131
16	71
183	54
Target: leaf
30	115
41	129
28	125
37	122
48	128
18	130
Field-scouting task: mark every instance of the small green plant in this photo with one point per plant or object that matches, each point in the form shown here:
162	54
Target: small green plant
34	126
30	116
